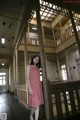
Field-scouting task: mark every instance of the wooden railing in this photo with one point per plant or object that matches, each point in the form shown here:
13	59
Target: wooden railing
47	42
23	96
65	37
51	42
65	99
16	90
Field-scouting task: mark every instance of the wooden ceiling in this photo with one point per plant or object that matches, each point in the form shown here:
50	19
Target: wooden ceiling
13	17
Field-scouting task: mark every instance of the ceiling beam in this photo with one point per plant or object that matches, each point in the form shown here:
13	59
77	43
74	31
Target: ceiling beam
57	20
74	7
44	24
31	48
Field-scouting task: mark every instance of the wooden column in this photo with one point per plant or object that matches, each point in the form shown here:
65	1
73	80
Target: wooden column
59	72
47	95
29	41
53	35
17	72
61	31
44	40
11	77
67	65
75	31
25	60
17	77
14	70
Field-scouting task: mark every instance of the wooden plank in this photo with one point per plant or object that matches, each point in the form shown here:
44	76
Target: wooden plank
72	102
59	106
66	104
78	98
47	96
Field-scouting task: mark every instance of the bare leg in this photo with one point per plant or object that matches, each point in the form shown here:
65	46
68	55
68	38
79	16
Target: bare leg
37	113
32	111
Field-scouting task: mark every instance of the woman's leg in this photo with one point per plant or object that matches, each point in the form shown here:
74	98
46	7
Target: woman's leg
32	111
37	113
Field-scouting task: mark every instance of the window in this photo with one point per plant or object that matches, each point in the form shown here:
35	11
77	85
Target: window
64	72
2	78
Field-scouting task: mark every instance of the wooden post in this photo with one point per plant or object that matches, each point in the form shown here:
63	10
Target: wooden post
14	69
59	71
47	95
44	40
17	72
61	31
67	65
75	31
53	35
29	41
25	59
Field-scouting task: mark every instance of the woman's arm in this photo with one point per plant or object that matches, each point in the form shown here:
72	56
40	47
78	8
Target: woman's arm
29	86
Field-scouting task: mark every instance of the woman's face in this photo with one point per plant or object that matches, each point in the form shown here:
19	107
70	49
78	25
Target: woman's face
36	60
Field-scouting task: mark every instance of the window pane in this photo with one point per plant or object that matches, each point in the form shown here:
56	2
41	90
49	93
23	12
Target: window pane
0	78
64	72
3	78
4	82
0	82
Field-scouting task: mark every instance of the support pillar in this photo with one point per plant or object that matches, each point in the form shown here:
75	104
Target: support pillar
67	65
59	71
17	72
75	30
11	78
61	31
53	35
25	60
47	95
14	69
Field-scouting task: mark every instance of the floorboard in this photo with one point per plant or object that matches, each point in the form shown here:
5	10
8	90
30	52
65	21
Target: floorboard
13	109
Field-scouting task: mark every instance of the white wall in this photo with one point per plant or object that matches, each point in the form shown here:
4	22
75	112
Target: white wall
51	70
72	56
11	82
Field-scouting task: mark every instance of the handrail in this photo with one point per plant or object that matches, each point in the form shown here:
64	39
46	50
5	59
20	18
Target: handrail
65	99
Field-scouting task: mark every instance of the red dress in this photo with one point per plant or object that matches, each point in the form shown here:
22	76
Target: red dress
36	98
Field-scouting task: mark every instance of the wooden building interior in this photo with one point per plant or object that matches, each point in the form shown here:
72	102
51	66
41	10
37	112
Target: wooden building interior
51	29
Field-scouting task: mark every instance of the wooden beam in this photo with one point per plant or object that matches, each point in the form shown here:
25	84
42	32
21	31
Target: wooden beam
66	44
57	20
75	30
47	94
44	24
31	48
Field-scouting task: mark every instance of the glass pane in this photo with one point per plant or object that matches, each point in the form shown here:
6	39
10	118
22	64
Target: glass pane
4	82
0	78
4	78
0	82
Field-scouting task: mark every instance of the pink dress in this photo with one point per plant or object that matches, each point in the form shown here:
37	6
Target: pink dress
36	98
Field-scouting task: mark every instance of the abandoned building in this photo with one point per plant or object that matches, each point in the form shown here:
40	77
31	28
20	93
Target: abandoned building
51	29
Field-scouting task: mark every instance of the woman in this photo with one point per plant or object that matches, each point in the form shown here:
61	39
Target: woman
35	96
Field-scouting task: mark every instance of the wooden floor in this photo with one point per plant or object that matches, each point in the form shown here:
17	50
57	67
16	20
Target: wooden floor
14	110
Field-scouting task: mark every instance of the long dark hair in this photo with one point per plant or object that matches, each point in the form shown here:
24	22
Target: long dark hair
38	64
